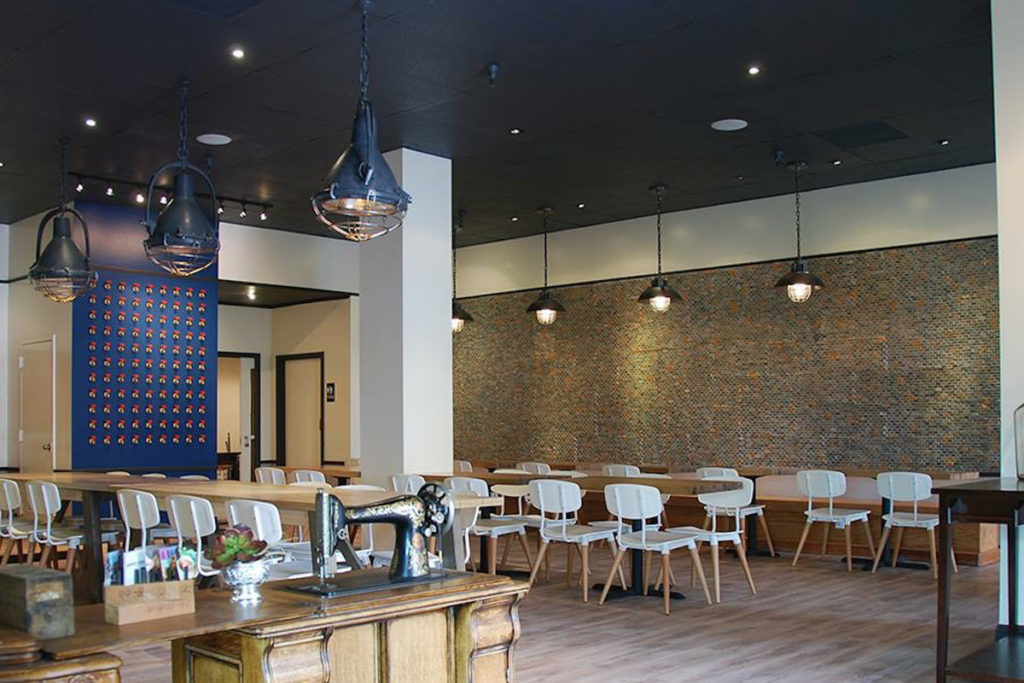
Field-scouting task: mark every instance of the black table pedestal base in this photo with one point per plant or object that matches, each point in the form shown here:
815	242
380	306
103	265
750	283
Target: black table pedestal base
619	592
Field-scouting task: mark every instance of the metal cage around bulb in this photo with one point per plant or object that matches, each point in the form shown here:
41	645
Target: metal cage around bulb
183	238
659	295
61	271
799	282
546	308
460	316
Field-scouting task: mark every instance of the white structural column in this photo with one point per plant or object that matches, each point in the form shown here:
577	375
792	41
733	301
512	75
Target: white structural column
1008	72
405	341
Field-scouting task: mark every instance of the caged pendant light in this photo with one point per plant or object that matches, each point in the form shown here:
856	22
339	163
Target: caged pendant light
460	316
183	238
546	307
799	282
361	199
61	271
659	295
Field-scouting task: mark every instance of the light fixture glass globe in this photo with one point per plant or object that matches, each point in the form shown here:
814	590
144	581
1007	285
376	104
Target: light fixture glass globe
799	293
660	303
457	325
546	316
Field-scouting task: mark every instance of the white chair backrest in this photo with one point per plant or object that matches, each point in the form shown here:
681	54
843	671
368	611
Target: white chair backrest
155	475
517	491
263	518
620	470
194	519
509	470
559	498
194	477
311	484
308	475
477	487
463	466
119	473
905	487
534	467
44	497
633	502
407	483
821	484
709	472
360	487
733	499
10	501
139	511
270	475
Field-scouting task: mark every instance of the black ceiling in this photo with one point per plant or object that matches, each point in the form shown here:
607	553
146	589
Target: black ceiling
611	96
271	296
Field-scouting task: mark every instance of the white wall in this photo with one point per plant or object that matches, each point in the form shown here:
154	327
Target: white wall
928	207
277	257
1008	73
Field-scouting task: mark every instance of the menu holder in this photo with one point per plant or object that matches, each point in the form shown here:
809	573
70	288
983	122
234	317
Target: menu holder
147	601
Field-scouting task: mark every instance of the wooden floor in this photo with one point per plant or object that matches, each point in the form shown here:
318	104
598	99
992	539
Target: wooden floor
813	622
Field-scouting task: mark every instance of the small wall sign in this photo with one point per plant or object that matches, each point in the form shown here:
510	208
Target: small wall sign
330	392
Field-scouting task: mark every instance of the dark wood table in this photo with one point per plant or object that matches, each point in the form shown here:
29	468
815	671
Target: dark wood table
992	501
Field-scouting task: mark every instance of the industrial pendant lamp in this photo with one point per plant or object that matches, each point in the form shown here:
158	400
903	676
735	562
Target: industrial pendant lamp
61	271
460	316
546	306
659	295
183	238
799	282
361	199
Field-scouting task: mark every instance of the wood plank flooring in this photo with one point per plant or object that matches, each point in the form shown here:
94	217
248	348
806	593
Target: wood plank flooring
813	622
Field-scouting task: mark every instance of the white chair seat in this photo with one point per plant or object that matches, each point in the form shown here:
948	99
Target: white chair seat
497	527
658	541
838	516
907	519
61	534
581	533
19	529
705	535
532	521
747	511
614	525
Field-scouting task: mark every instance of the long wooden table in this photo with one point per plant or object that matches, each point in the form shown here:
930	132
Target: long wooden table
294	502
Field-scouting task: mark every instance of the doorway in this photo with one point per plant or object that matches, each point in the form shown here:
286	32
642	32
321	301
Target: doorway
37	428
238	410
300	410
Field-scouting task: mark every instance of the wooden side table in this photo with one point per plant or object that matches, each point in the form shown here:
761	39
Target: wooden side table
993	501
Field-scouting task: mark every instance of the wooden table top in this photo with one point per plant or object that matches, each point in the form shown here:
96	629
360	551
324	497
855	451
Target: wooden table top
280	608
993	486
681	485
329	470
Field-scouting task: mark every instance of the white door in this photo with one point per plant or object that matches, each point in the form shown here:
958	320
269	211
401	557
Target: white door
38	399
303	405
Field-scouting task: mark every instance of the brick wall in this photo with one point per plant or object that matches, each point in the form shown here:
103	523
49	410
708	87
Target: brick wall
895	364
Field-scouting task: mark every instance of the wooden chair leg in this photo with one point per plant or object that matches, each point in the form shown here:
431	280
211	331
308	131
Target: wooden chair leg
492	555
803	539
931	551
44	558
715	572
952	558
647	570
69	565
824	539
616	565
568	564
897	545
881	547
767	534
741	551
699	569
665	569
541	552
585	571
622	575
672	576
504	555
526	549
871	540
8	547
849	548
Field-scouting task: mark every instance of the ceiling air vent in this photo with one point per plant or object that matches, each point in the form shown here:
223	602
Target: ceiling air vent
862	134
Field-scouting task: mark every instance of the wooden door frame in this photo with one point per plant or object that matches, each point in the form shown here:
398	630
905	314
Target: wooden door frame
52	341
279	381
255	459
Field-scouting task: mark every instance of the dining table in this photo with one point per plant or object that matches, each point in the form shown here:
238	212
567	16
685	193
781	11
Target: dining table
295	503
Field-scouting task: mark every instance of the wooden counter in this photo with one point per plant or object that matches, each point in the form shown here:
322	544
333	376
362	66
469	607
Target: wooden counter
457	629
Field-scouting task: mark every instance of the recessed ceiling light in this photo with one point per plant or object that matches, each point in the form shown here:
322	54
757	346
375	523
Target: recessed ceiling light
943	142
515	131
90	122
263	215
514	218
580	205
739	177
140	198
837	162
213	139
163	199
110	190
1	164
753	70
242	212
79	187
729	125
237	52
220	208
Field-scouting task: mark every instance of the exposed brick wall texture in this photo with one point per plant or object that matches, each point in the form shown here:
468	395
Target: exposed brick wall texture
894	365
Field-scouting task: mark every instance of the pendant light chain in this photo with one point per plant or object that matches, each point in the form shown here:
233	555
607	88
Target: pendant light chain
364	54
64	142
455	266
545	252
183	125
659	233
796	183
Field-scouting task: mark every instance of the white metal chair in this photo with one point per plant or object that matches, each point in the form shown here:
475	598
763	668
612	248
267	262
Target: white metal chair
534	467
155	475
270	475
620	470
462	466
407	483
712	511
735	500
636	501
831	485
13	529
194	477
563	499
139	511
907	487
265	521
308	475
194	519
493	528
311	484
44	498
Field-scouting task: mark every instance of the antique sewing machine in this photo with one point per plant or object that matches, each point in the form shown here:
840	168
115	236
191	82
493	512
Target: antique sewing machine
416	518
